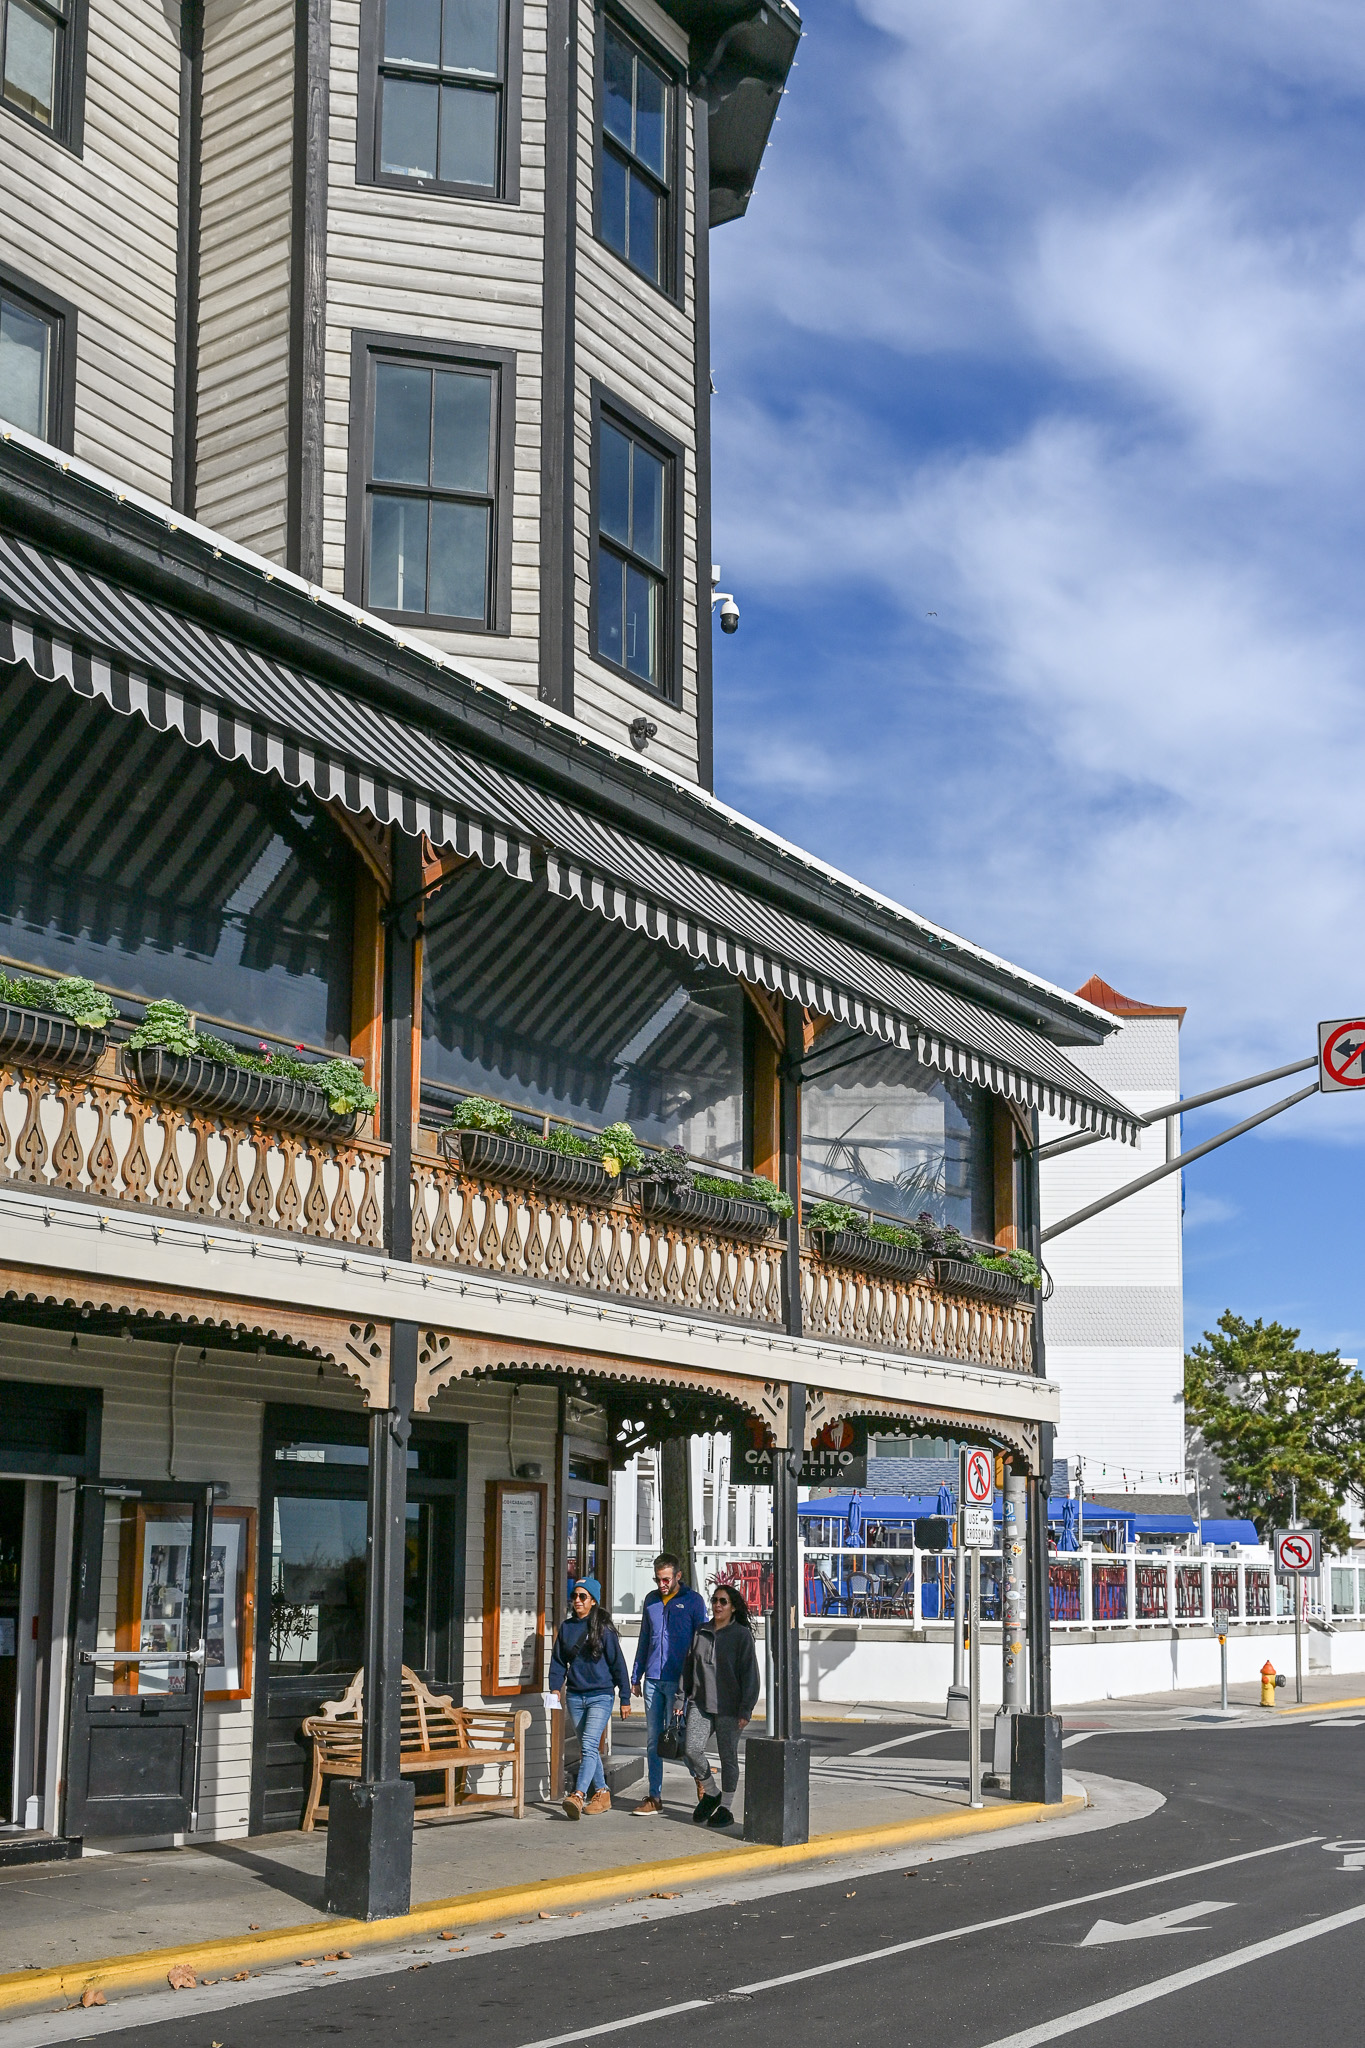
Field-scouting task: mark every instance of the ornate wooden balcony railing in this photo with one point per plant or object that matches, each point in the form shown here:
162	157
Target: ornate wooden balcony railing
98	1137
603	1246
915	1315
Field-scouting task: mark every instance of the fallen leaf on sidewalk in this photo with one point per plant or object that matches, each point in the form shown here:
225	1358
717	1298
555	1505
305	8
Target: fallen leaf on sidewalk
497	1937
181	1977
850	1895
89	1998
577	1915
338	1955
253	1927
241	1976
665	1895
305	1962
550	1916
448	1934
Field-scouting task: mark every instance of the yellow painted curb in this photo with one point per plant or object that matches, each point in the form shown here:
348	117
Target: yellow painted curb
21	1988
1319	1706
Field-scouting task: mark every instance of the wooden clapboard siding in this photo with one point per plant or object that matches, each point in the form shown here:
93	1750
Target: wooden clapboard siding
442	268
99	229
639	345
244	261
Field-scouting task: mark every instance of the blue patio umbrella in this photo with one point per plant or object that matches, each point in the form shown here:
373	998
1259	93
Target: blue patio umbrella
947	1501
853	1521
1069	1538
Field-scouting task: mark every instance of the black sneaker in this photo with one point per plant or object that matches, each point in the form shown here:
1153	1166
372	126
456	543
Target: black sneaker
721	1818
704	1808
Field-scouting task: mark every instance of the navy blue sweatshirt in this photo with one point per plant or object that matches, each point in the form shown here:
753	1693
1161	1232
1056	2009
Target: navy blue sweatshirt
586	1673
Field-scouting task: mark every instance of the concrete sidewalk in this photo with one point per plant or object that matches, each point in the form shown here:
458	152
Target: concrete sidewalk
54	1916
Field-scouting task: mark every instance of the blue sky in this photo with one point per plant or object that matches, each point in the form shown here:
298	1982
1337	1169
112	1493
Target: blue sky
1040	479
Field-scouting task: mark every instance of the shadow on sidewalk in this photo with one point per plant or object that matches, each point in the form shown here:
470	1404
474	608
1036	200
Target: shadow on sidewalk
279	1877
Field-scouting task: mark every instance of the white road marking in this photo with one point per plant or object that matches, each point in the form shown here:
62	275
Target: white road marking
1181	1980
1172	1922
901	1948
638	2019
920	1735
1070	1741
1335	1723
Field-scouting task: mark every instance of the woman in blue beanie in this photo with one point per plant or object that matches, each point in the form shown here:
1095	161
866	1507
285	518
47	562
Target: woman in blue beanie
585	1669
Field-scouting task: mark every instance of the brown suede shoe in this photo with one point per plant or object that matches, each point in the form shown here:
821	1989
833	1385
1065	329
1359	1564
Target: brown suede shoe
647	1809
573	1805
599	1803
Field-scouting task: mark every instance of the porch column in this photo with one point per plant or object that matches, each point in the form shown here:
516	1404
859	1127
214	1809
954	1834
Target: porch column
369	1833
1036	1754
402	998
777	1767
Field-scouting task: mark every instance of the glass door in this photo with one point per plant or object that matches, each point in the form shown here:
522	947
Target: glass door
138	1659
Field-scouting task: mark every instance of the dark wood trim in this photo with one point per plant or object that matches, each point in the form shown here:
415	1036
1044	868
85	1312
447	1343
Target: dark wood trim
366	345
674	243
701	427
68	122
308	289
185	424
671	451
557	578
494	1489
367	171
61	397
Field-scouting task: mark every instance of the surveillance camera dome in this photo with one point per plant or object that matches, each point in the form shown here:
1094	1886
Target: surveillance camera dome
729	616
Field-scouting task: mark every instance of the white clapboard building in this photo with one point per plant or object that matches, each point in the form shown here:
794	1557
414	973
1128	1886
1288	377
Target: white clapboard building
1115	1340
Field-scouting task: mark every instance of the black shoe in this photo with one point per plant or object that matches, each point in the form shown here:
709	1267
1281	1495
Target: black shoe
705	1807
721	1818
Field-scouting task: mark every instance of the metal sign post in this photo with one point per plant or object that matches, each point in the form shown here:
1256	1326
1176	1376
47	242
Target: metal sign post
974	1685
976	1527
1298	1556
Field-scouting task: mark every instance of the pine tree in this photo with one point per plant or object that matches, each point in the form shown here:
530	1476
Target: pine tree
1272	1414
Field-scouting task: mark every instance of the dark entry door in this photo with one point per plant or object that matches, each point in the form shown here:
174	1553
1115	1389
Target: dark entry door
138	1659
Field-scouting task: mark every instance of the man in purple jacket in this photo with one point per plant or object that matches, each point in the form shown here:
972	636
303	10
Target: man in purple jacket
670	1618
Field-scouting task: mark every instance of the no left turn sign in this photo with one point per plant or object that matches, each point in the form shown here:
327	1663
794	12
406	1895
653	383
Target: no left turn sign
1298	1550
980	1484
1341	1054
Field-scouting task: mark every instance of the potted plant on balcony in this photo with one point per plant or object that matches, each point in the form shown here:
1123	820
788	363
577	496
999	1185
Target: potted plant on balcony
668	1185
845	1237
491	1143
964	1268
172	1062
57	1024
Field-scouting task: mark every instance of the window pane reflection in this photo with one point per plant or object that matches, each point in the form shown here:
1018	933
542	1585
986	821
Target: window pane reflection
25	346
469	136
402	423
458	579
30	61
642	594
398	554
317	1586
471	36
412	31
889	1134
408	127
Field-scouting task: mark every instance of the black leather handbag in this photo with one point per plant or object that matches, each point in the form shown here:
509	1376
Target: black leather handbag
672	1739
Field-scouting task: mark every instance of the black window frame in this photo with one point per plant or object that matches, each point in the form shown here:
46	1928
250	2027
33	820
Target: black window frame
61	316
369	347
675	153
68	114
369	103
619	413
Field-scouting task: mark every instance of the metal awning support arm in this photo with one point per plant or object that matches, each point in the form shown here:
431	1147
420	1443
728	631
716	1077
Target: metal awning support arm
1174	1165
1055	1149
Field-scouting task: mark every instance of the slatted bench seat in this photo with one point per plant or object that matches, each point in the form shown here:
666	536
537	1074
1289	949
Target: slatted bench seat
437	1737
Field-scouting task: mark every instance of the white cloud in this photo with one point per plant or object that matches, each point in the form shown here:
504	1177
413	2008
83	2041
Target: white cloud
1137	723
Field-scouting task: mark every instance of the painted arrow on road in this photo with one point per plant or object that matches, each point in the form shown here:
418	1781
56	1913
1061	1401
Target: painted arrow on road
1159	1923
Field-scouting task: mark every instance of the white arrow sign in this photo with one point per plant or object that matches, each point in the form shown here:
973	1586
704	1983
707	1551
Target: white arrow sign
1160	1923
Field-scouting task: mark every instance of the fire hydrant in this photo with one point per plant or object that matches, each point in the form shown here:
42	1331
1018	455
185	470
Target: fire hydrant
1267	1684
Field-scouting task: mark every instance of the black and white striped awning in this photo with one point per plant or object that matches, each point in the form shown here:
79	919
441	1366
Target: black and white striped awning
65	624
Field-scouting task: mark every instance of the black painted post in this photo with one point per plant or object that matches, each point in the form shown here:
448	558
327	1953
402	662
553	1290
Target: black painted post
1036	1737
777	1767
400	998
369	1830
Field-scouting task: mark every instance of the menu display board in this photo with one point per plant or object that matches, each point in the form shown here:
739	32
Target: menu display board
228	1630
156	1587
514	1587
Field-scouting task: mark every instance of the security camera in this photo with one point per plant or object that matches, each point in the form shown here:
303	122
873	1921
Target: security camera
729	610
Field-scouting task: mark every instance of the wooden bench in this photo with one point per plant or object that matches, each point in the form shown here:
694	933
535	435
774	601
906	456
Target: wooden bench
437	1737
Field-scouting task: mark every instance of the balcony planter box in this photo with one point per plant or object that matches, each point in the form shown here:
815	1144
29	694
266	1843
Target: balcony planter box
235	1092
489	1156
731	1215
870	1254
40	1038
957	1276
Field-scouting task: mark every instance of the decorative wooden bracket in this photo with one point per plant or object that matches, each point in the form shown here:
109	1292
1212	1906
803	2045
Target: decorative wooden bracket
823	1408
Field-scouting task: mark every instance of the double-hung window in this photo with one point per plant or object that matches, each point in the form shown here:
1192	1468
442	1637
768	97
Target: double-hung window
634	532
440	91
435	438
34	338
37	62
634	209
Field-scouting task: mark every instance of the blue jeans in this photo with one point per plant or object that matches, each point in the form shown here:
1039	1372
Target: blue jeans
659	1695
590	1713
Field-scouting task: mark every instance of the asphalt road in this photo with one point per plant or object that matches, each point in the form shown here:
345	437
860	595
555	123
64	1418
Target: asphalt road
1225	1916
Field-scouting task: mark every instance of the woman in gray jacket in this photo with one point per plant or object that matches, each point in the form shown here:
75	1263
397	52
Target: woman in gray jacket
720	1685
